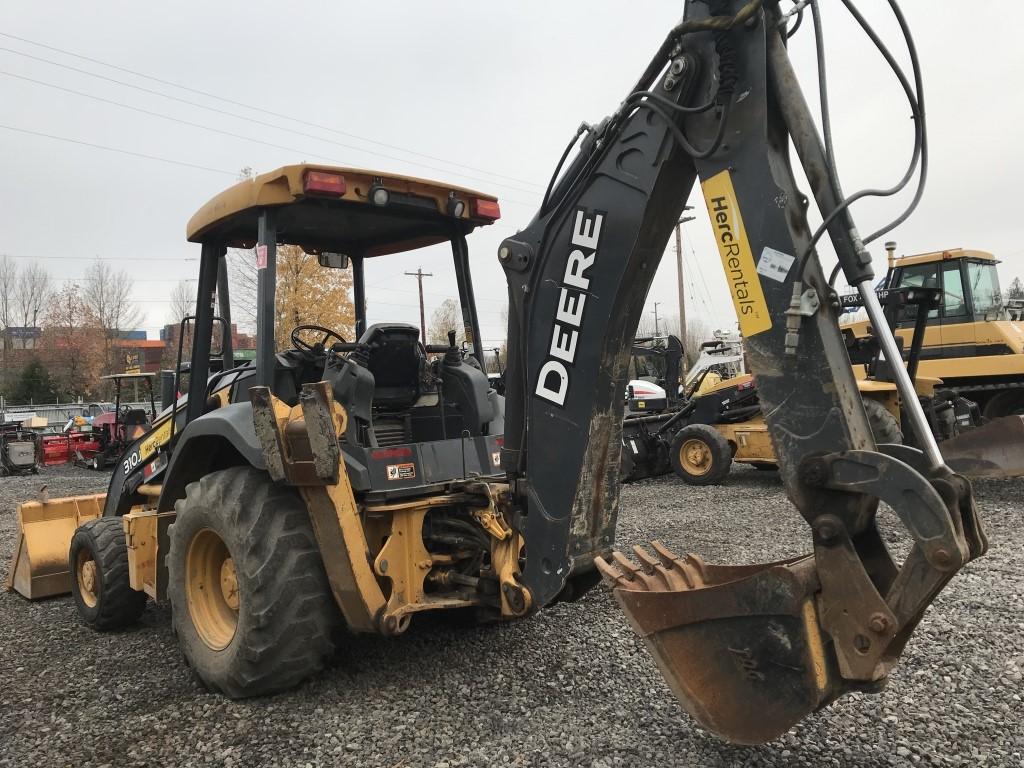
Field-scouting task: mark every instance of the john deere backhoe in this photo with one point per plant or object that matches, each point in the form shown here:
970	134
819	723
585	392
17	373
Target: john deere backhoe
280	516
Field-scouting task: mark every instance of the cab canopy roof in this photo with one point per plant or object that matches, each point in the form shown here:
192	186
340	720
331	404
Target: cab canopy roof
946	255
344	210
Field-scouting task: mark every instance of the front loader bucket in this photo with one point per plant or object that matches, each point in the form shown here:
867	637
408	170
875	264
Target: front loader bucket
40	566
739	645
993	450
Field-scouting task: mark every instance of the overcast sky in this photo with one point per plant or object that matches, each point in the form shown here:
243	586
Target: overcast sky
490	92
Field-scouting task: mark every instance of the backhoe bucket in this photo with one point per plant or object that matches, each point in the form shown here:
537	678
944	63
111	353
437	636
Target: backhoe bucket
40	566
993	450
739	645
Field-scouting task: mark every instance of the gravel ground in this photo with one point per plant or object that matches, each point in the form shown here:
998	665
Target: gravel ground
570	687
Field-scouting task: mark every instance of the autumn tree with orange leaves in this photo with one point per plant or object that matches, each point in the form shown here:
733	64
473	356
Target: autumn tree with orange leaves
310	294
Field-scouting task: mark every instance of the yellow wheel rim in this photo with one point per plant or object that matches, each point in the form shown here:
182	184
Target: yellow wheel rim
87	578
212	589
695	457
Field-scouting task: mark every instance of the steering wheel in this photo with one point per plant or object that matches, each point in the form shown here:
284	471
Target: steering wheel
316	349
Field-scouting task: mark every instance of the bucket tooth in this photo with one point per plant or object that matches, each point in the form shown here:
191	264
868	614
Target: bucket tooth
690	568
610	573
648	562
626	565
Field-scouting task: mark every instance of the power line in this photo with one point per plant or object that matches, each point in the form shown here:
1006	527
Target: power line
189	123
233	174
97	258
257	122
700	273
182	163
261	109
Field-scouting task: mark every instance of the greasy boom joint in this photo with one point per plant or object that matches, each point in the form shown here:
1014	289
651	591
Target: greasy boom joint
553	378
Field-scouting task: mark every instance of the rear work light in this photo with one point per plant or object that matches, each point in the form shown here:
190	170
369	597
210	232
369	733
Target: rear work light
323	183
486	209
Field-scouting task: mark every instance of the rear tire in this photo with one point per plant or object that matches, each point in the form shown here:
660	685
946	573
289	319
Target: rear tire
700	455
884	426
98	559
251	604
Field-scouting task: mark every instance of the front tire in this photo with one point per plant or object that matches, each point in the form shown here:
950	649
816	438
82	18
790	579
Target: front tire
251	604
884	426
700	455
99	575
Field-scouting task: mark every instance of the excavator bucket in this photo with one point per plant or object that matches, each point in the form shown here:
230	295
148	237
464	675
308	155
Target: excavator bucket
739	645
40	566
993	450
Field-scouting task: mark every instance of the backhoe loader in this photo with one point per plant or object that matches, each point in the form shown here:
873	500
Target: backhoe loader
280	516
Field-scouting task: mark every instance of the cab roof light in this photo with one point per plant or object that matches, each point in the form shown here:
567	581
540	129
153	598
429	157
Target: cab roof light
455	206
379	195
320	182
486	209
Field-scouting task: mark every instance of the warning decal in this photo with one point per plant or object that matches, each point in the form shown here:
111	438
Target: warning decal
401	471
737	260
774	264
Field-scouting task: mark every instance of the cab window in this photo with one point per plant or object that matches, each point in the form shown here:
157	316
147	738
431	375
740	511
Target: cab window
918	276
953	302
984	287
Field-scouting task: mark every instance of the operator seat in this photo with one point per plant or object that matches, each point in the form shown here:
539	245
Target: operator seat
396	359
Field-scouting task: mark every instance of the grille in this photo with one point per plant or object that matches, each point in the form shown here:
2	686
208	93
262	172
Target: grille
390	433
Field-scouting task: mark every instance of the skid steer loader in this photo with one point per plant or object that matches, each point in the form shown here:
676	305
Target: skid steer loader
281	514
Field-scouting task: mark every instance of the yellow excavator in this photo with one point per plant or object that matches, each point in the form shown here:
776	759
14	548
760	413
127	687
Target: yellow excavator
358	483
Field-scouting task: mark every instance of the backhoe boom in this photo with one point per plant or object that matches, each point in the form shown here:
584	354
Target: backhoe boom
752	649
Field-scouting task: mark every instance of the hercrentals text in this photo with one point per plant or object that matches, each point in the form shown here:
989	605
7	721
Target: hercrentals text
738	281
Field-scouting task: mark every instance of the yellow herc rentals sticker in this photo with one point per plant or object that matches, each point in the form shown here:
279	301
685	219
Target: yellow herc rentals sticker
737	260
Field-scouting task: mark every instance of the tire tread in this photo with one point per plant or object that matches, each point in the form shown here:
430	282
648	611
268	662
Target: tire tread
291	611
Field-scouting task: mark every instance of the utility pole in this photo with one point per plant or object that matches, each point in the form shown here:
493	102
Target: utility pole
656	333
679	277
419	274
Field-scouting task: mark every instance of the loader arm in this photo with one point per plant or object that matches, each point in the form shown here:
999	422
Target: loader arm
752	649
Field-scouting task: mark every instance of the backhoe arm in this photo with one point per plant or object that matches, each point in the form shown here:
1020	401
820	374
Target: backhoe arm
749	649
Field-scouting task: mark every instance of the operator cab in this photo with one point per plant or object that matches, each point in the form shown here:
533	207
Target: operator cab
967	278
398	391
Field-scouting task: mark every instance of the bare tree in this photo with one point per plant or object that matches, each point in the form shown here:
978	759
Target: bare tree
107	298
447	317
8	289
30	298
243	275
183	302
1015	290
